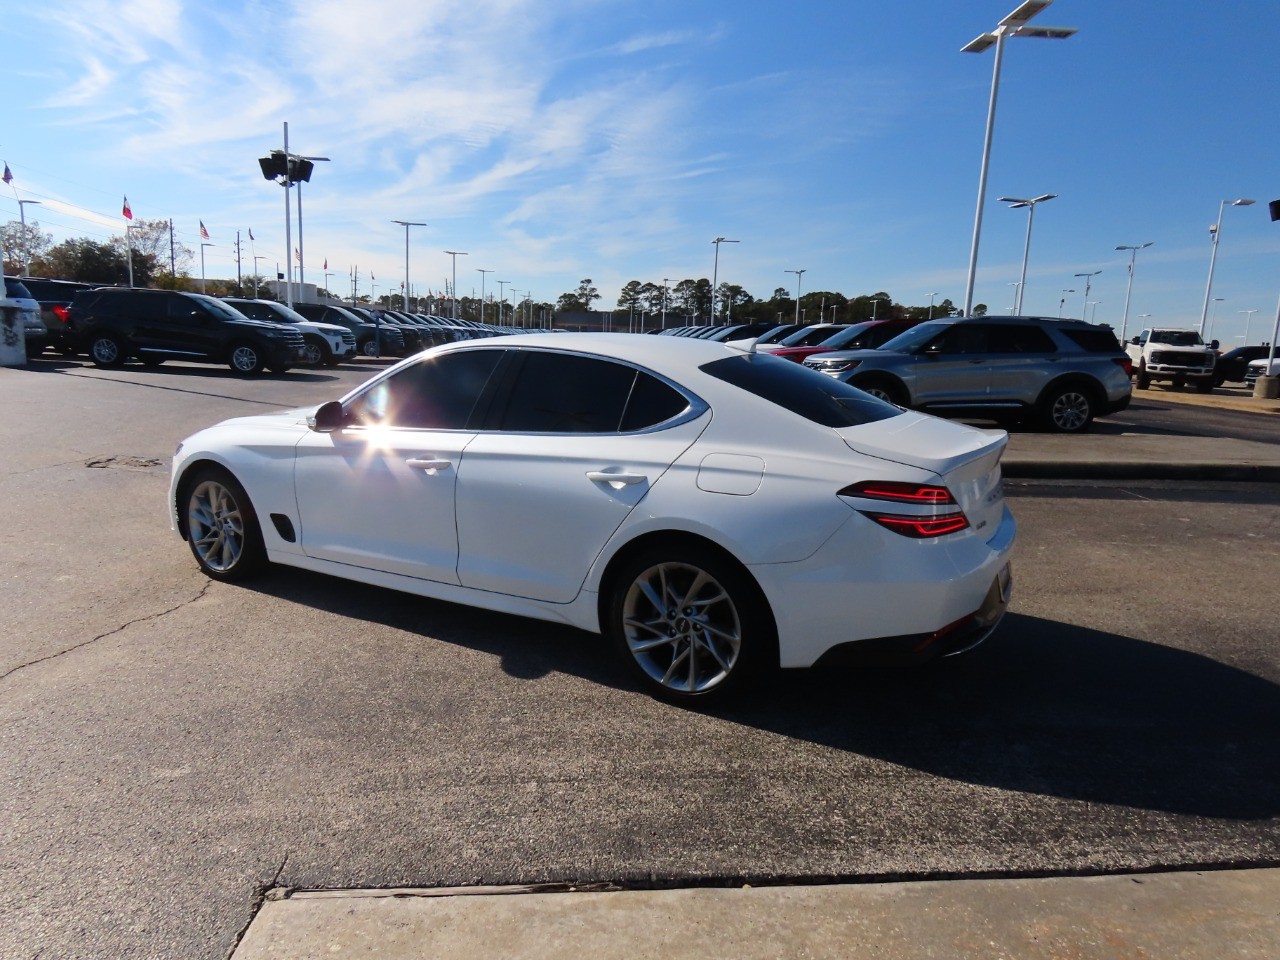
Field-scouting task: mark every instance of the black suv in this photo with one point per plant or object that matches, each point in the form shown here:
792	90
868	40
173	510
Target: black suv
367	334
54	297
116	323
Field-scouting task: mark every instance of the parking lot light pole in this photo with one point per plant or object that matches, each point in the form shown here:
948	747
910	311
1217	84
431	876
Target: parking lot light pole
1014	204
256	258
1017	287
1248	318
715	272
1215	233
482	272
1094	304
407	224
1213	317
502	298
26	251
202	246
931	296
1133	257
1088	282
1015	25
1062	300
455	254
799	276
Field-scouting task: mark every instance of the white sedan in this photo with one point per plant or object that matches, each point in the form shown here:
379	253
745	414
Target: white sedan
714	512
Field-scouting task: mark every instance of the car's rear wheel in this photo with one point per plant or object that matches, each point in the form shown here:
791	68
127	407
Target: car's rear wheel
369	348
1141	380
106	350
246	358
1067	409
221	526
691	625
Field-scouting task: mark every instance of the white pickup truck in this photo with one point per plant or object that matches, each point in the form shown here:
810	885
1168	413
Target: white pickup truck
1178	356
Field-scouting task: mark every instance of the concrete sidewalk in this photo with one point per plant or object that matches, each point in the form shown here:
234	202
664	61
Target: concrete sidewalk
1171	916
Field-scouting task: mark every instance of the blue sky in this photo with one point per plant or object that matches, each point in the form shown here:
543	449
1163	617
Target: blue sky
553	141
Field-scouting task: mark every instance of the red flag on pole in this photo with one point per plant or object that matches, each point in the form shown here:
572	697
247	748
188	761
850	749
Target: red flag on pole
126	212
204	234
326	263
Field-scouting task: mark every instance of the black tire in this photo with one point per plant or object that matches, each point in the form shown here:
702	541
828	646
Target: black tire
331	362
316	352
245	358
1205	386
1141	380
220	525
727	607
1068	409
107	350
279	368
884	389
369	348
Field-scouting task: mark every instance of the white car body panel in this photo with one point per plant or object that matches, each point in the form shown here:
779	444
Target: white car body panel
748	475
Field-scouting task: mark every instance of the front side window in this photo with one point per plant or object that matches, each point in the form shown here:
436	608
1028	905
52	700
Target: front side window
439	393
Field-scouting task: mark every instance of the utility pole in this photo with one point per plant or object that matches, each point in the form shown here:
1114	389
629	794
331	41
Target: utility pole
173	259
239	282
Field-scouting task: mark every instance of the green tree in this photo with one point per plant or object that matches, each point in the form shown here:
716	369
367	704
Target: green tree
16	238
979	309
93	262
629	297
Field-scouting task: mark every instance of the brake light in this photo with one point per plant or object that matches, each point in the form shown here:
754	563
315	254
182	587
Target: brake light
1125	364
60	311
898	492
920	528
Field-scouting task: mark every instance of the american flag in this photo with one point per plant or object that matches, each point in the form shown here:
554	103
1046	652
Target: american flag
8	174
204	234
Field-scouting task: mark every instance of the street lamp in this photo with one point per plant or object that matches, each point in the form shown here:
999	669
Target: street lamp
1094	304
482	272
256	258
1088	282
502	299
1017	287
1015	24
1062	300
26	251
665	281
1133	257
286	169
202	246
931	296
1014	204
406	224
715	271
455	254
1248	317
1214	315
302	250
1215	232
799	276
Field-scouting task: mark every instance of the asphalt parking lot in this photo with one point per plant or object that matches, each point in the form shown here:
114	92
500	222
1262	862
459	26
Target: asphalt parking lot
173	747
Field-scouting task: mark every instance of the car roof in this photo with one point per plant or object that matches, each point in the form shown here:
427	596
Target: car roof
673	356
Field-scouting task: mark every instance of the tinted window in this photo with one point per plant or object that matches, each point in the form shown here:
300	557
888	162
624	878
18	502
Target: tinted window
962	338
15	289
560	393
651	402
808	336
439	393
1095	340
808	393
1019	338
916	337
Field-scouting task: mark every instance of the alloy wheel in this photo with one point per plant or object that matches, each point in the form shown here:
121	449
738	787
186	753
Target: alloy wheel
215	526
682	627
106	351
245	359
1070	411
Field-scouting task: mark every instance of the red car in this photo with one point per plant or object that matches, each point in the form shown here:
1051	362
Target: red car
858	336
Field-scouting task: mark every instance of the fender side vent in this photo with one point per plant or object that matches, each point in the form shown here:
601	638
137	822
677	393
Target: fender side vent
284	527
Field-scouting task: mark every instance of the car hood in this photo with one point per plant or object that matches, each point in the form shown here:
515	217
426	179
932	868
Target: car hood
920	440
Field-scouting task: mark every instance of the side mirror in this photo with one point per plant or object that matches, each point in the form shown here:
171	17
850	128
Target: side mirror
1134	341
1213	344
932	350
328	418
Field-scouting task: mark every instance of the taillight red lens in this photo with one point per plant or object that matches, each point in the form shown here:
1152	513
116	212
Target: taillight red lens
899	492
1125	364
921	528
60	312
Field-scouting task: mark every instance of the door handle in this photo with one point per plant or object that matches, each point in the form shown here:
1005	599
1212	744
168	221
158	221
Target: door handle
624	479
430	466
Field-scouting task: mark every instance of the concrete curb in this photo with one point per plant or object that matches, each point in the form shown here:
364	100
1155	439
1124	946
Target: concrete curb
1120	470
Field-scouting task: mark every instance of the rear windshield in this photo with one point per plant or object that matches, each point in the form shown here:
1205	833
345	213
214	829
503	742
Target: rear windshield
806	392
1096	340
15	290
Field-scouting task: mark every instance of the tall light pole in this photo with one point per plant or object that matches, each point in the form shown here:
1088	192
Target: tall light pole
1214	316
1248	317
799	276
931	296
482	272
715	271
1088	282
1062	300
1215	233
302	250
455	254
1094	304
1017	288
26	251
502	299
406	224
1014	204
1133	257
256	258
665	281
1016	25
202	246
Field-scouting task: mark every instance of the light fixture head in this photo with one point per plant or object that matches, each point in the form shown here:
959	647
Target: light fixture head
1243	203
978	44
1024	12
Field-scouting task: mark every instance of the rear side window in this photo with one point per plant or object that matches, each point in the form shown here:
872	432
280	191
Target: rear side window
15	289
1096	340
560	393
1020	338
805	392
436	394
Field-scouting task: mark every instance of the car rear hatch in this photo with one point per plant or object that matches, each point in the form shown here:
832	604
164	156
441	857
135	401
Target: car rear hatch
967	459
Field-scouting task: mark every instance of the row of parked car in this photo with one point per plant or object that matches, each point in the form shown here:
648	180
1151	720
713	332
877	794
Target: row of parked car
115	324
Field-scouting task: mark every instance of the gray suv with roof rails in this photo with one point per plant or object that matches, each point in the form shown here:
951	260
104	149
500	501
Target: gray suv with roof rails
1057	373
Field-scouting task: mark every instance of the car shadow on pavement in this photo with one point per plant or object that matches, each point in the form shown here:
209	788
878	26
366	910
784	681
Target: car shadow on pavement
1043	707
50	363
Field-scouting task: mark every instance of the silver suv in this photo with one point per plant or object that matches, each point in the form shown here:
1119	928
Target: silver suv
1061	373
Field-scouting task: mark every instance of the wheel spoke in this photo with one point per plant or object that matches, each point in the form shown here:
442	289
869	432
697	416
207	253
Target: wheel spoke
699	582
711	649
675	665
644	646
723	634
659	603
656	627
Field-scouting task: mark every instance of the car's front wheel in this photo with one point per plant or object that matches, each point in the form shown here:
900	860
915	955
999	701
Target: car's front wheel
885	390
246	358
106	350
1067	410
691	625
222	527
316	352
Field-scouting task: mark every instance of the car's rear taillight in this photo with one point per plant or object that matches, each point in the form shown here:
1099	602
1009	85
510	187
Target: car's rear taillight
921	493
60	311
1125	364
920	528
